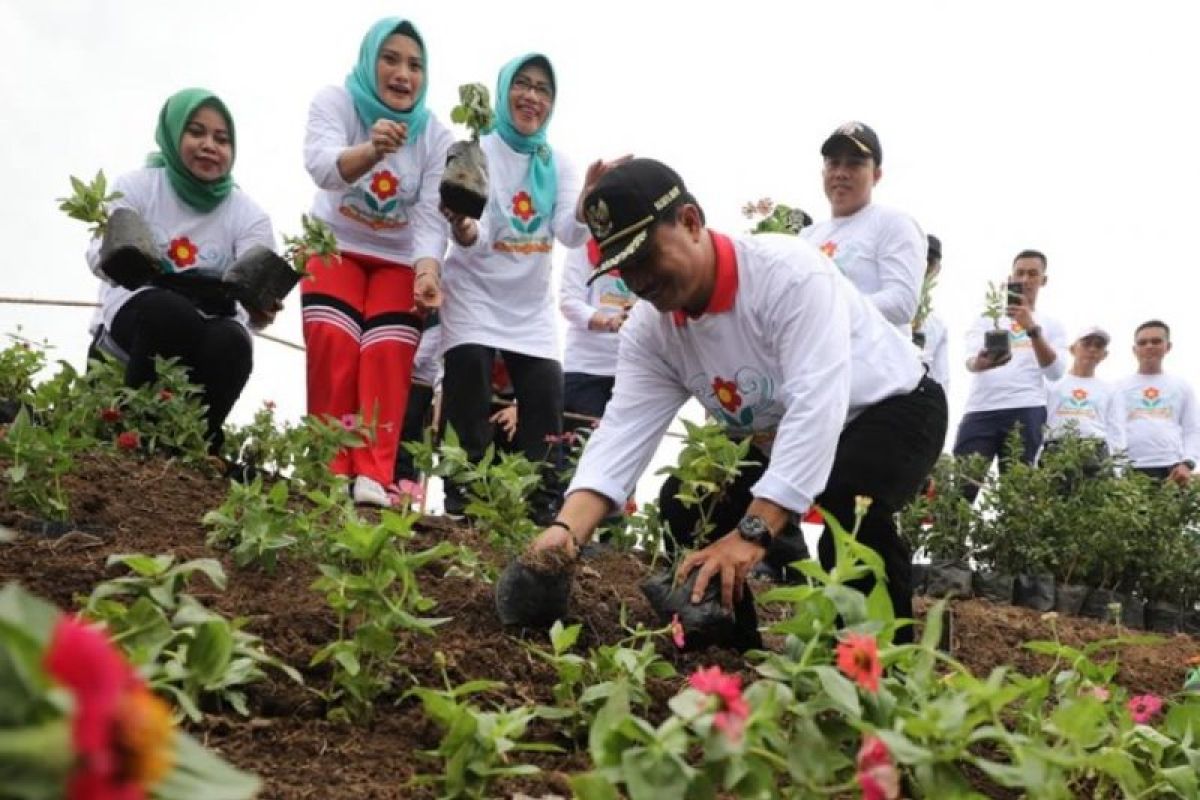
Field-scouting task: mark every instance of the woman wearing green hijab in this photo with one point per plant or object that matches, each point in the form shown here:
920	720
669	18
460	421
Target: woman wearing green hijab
498	298
201	223
377	156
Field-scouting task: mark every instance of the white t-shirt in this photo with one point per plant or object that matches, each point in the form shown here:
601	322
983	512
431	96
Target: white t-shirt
189	240
788	352
1091	406
882	252
936	352
391	212
1020	383
1161	425
497	291
586	350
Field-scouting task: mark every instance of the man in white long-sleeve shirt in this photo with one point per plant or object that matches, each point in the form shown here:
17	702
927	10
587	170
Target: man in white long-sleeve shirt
881	250
775	343
1083	405
1009	391
1162	428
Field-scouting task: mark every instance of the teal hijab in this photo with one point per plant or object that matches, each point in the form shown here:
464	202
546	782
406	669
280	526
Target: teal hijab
361	80
543	178
172	120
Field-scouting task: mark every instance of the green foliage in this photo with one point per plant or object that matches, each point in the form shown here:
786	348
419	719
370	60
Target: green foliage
87	202
995	300
924	301
474	109
941	522
776	217
369	579
300	453
182	648
37	462
20	362
316	239
708	462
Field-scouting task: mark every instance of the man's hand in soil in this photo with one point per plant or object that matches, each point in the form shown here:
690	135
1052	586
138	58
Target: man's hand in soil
555	537
731	557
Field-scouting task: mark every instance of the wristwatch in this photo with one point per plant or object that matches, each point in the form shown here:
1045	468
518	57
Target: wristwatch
1191	465
754	530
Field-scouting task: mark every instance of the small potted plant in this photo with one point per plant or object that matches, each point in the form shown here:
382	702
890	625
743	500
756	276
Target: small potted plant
924	307
776	217
127	252
261	279
464	187
995	341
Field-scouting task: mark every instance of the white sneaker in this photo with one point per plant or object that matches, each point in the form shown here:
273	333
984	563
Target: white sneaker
368	491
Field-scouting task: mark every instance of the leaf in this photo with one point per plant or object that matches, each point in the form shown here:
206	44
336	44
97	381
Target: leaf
210	652
593	786
374	206
841	691
534	224
199	774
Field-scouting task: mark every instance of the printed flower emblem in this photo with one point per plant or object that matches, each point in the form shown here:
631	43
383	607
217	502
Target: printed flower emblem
877	774
384	184
829	248
522	206
1079	394
858	659
1144	707
182	252
727	394
1017	327
122	732
733	710
1150	393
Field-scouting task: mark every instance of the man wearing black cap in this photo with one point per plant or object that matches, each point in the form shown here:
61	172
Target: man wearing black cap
929	332
774	343
881	250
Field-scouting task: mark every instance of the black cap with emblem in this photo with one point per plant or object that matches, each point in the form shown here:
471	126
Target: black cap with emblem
625	204
861	138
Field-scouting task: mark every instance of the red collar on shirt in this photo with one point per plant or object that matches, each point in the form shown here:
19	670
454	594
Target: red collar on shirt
725	288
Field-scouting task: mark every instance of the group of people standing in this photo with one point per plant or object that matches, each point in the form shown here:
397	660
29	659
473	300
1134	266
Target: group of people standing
807	344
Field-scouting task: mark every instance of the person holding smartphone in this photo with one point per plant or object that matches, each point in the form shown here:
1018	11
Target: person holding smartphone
1008	390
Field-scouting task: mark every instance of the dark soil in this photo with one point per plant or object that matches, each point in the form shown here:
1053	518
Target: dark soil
125	505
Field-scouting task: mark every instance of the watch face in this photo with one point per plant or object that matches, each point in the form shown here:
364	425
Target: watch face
754	530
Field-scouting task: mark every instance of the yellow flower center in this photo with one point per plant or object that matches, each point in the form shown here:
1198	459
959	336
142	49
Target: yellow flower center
144	737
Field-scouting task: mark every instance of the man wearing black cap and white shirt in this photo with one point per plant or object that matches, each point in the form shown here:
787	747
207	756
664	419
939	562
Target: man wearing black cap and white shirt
881	250
929	332
775	343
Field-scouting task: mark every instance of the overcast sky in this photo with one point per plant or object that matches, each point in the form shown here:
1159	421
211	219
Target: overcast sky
1065	126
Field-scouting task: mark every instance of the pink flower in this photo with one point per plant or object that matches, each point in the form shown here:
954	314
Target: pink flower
349	422
858	659
1144	707
733	710
269	405
412	490
677	632
877	774
1099	692
128	440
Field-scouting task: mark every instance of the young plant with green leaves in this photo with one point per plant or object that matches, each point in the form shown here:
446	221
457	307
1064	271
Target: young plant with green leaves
776	217
88	202
474	109
37	458
316	239
299	453
995	300
369	579
20	363
184	649
708	463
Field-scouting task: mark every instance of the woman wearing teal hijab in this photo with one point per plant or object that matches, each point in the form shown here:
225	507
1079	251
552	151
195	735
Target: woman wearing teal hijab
376	154
201	223
497	278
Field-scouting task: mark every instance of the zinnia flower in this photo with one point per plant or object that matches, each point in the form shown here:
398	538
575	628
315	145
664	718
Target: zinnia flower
677	632
1100	693
1144	707
111	414
877	774
128	440
121	732
858	659
732	709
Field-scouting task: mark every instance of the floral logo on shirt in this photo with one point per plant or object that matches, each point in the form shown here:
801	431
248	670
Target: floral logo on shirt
727	395
1151	397
384	184
524	216
829	248
182	252
1079	395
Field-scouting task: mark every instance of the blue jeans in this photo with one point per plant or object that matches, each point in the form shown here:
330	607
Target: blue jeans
985	432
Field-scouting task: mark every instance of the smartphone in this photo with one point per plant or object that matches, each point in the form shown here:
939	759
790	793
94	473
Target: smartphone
1016	293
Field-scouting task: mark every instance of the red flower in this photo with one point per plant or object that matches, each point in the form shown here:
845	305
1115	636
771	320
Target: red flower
1079	394
677	632
1150	393
858	659
166	395
128	440
1144	707
522	206
384	184
727	394
182	252
829	248
121	732
111	414
733	709
877	774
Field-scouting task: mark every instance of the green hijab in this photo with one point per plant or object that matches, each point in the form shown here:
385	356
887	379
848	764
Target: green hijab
361	80
172	120
543	177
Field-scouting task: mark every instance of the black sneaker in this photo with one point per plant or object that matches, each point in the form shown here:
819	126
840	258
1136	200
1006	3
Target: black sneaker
455	503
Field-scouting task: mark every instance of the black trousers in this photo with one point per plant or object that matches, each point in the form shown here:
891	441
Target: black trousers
538	390
216	351
416	418
587	394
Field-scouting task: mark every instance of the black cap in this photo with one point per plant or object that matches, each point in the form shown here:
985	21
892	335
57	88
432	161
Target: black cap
935	248
860	135
625	203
